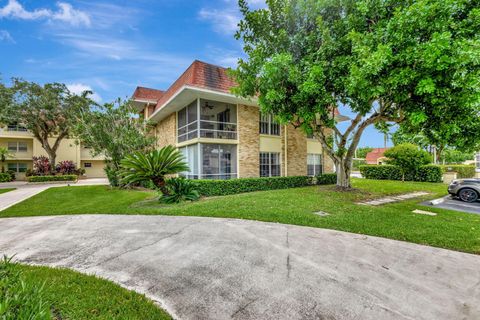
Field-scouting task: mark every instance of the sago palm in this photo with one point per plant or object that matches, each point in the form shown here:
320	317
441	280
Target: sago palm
155	165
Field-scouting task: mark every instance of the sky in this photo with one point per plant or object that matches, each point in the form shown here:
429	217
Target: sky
111	47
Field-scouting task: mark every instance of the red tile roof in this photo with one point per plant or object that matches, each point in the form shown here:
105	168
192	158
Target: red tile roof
201	75
373	156
147	94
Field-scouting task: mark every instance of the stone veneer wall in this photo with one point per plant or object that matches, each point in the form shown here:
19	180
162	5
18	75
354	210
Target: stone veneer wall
296	152
249	141
165	131
328	165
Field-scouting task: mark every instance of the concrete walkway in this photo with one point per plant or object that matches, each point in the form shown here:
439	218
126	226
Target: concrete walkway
203	268
24	190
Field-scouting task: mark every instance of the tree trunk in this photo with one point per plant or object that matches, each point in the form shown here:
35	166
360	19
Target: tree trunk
160	183
343	174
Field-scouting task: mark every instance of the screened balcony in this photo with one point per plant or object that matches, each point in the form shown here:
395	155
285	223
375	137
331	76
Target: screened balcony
207	119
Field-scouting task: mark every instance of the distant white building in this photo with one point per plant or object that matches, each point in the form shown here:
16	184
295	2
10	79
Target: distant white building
477	161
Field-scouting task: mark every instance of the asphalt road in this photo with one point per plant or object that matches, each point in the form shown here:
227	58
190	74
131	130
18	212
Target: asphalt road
204	268
451	203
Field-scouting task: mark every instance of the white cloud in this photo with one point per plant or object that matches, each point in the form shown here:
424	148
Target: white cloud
223	21
65	13
79	88
5	36
226	20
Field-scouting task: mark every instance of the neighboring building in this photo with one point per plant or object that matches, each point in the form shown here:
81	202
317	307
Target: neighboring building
477	161
223	136
23	145
376	156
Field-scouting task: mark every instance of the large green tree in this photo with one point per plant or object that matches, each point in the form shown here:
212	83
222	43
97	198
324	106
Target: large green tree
388	61
113	130
47	111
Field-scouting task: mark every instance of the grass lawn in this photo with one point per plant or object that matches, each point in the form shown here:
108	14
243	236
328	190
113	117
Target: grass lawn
6	190
71	295
449	229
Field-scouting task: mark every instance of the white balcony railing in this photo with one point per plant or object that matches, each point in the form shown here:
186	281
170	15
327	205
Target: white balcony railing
207	129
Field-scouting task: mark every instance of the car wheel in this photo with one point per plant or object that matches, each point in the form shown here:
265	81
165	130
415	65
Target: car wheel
468	195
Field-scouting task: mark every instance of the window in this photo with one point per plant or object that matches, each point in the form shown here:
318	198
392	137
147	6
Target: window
15	127
87	165
17	146
207	119
17	167
268	125
210	161
269	164
314	164
187	122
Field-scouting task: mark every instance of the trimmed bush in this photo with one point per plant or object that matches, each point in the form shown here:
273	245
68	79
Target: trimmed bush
210	188
68	177
327	178
180	190
428	173
381	172
5	177
463	171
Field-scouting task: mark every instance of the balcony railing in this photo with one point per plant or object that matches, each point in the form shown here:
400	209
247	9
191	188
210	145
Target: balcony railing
16	128
207	129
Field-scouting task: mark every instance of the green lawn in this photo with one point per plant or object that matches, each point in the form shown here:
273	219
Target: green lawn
70	295
449	229
6	190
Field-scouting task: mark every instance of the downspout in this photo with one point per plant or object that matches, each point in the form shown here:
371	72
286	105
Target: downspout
286	151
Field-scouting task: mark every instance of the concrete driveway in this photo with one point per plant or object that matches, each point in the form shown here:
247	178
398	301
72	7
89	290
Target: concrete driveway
203	268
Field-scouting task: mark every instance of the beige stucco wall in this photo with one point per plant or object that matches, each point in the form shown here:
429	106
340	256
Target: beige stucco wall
248	141
68	150
270	143
165	131
96	170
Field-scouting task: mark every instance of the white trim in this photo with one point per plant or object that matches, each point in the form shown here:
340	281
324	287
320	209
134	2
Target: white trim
252	101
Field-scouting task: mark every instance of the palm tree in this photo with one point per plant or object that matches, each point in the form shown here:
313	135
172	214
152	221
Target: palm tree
4	154
152	166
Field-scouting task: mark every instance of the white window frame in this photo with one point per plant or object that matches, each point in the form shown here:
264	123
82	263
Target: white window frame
309	157
269	121
17	146
17	167
270	164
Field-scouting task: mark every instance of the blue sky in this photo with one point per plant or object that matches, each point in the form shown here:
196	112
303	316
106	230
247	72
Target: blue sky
111	47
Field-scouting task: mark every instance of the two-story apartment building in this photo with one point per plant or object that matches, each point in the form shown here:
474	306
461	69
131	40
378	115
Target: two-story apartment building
223	136
22	145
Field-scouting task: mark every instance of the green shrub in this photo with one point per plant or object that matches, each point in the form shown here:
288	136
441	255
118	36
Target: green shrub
20	299
327	178
180	189
5	177
357	163
68	177
463	171
381	172
428	173
408	158
225	187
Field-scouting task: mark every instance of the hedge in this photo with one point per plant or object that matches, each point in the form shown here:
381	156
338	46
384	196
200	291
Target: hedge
67	177
210	188
428	173
327	178
463	171
5	177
